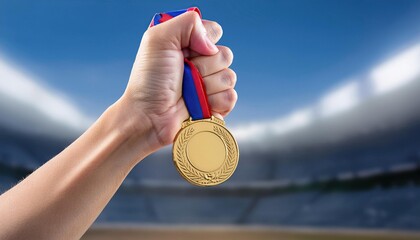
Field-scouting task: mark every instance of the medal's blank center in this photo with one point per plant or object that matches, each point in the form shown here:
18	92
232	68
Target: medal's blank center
206	151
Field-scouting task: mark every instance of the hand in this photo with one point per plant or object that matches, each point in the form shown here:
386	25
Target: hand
154	90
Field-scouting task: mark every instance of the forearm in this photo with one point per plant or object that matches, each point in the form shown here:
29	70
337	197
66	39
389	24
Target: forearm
62	198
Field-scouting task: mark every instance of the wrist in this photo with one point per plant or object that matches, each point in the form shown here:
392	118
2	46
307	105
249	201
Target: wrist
132	126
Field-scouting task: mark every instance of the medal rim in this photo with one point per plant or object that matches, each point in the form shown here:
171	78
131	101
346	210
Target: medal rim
235	152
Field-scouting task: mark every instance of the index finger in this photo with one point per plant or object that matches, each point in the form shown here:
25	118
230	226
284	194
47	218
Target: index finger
214	32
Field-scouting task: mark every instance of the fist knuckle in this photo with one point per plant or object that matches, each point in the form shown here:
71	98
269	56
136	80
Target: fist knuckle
147	35
225	113
192	16
226	55
229	78
215	31
231	97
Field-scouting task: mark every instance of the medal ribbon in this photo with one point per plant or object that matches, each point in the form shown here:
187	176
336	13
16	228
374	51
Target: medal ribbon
193	89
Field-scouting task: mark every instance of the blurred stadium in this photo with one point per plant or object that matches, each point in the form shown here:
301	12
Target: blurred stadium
349	163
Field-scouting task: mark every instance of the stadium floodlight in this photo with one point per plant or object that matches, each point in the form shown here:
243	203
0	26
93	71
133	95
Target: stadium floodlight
396	72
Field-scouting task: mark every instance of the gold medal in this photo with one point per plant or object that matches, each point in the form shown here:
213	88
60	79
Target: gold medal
205	152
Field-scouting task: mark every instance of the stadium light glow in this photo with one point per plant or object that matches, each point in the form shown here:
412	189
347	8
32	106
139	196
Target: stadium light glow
250	131
341	99
392	74
255	131
397	71
22	88
298	119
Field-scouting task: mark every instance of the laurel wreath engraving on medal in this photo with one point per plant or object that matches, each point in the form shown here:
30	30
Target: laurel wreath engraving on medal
189	171
206	178
230	165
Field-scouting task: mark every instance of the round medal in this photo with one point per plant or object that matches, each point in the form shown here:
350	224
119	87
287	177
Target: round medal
205	152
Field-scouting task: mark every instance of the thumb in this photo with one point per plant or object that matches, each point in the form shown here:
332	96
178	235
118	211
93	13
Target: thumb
183	31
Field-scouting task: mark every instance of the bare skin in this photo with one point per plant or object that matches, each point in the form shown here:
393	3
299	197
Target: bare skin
62	198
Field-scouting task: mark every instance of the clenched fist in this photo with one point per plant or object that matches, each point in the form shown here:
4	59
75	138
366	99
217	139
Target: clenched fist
154	91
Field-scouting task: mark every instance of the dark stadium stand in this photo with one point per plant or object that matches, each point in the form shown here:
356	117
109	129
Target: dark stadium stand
356	186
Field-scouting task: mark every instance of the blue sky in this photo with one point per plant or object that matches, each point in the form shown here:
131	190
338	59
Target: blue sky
287	53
